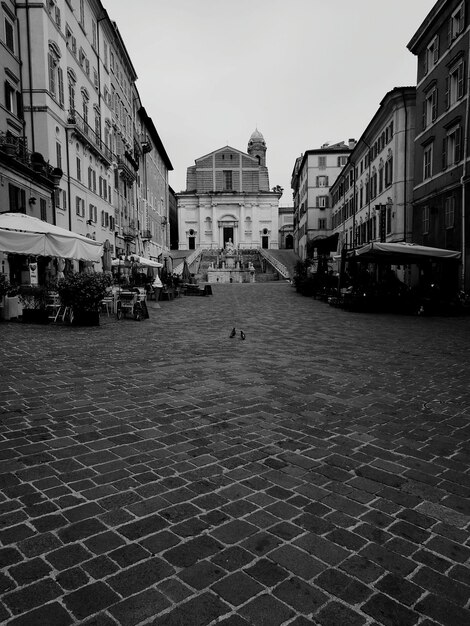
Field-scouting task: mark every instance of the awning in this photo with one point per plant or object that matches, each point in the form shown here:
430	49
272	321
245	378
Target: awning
23	234
134	258
324	244
401	253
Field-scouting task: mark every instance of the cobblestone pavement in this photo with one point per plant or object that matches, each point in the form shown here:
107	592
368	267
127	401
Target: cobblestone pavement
162	473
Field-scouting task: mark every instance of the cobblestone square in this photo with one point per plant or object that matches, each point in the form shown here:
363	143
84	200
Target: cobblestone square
160	472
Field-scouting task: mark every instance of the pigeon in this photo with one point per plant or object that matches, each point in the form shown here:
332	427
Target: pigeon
242	334
233	333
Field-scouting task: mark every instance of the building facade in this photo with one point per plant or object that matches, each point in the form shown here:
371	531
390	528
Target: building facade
371	198
313	174
442	189
72	106
227	199
286	227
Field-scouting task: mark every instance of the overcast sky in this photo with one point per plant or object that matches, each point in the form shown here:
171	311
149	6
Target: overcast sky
304	72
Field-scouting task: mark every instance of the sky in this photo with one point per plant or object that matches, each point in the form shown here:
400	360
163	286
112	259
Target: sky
304	72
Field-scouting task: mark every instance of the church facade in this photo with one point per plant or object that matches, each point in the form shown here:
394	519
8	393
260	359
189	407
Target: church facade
228	200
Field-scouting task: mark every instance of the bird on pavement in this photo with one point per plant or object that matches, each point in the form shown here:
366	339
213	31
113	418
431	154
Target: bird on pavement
242	334
233	333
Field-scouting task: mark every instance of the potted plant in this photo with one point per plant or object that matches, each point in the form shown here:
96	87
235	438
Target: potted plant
37	162
83	293
33	299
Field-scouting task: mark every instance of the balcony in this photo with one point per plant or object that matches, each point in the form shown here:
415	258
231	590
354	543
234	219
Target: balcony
146	235
126	168
129	231
87	135
32	164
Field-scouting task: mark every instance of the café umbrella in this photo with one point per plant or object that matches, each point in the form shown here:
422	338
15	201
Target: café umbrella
24	234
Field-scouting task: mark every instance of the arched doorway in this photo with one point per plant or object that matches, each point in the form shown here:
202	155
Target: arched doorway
289	242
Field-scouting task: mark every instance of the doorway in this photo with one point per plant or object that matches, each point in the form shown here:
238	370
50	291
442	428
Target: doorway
228	234
265	242
192	243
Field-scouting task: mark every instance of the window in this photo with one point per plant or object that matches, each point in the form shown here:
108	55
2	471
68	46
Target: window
451	148
79	169
43	209
97	122
455	84
427	162
431	55
429	108
425	219
9	29
322	202
457	23
322	181
58	151
10	97
17	198
56	78
94	35
389	171
80	206
82	13
449	211
322	223
60	198
342	160
227	180
92	213
322	161
71	93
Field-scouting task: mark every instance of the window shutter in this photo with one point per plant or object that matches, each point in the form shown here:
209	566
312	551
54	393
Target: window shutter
326	181
60	76
434	105
444	153
51	74
317	204
318	181
458	134
461	84
447	94
327	202
19	105
449	33
426	63
436	50
102	218
423	115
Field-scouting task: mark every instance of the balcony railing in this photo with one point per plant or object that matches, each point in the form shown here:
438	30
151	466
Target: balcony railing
88	135
16	148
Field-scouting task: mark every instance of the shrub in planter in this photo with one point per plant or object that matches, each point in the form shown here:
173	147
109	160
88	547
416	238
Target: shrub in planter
33	299
83	293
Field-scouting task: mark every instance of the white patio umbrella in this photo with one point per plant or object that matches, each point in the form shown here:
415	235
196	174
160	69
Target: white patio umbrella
23	234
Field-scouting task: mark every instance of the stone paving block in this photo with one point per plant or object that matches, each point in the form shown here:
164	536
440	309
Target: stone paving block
80	530
442	585
72	579
90	599
343	586
234	531
52	614
29	571
69	555
261	543
175	590
322	549
143	527
237	588
334	614
233	558
445	612
40	544
297	561
100	567
388	559
388	612
140	576
201	574
198	611
32	596
266	611
137	608
8	556
129	554
185	555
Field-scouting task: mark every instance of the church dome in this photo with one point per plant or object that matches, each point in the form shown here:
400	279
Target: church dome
256	136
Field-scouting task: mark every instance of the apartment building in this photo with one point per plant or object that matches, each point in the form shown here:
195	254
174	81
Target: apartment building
71	100
313	174
441	189
372	197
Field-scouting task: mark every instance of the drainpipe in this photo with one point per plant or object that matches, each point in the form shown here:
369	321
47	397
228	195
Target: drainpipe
464	176
28	28
405	167
69	190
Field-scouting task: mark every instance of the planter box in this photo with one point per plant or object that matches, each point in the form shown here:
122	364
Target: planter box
86	318
35	316
11	307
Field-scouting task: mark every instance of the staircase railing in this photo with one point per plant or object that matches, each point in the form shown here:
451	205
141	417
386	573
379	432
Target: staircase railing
190	259
278	266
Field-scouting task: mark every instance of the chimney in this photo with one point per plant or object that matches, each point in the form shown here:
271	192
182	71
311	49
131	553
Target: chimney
352	144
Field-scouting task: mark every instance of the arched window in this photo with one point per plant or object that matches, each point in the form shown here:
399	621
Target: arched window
85	101
56	76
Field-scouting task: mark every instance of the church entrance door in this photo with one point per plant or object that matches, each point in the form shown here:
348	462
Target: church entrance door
228	234
265	242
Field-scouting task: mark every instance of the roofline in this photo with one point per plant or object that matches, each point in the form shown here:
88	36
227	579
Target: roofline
124	49
425	25
383	103
223	148
314	151
156	137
